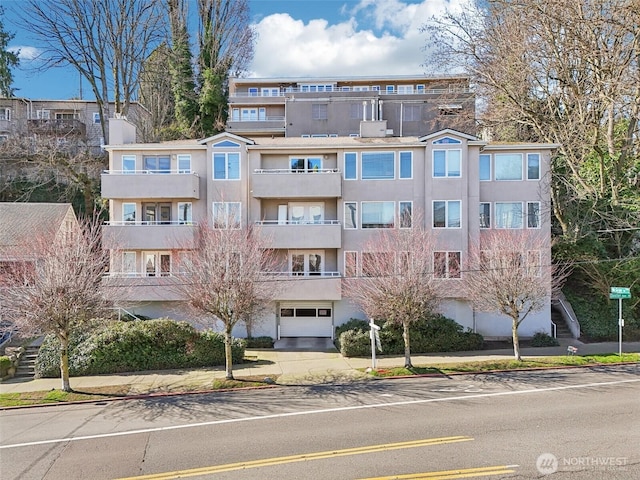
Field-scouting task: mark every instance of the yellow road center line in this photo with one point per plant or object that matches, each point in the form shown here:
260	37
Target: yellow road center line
450	474
298	458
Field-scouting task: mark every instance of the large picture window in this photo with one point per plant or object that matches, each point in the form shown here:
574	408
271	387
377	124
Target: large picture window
508	166
508	215
378	166
378	214
306	165
446	214
226	166
157	164
446	163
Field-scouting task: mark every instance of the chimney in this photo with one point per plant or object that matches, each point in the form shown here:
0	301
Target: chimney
121	131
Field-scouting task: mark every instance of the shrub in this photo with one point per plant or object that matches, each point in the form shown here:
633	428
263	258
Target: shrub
599	318
5	365
259	342
351	324
434	334
542	339
137	346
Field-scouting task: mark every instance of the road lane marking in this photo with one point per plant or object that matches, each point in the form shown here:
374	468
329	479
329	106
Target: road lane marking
320	411
267	462
448	474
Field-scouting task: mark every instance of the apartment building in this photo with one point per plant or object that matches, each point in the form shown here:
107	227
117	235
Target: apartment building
65	121
337	106
318	199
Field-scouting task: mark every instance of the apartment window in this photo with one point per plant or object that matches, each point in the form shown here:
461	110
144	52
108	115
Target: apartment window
485	167
302	165
412	113
508	215
377	263
446	264
157	264
253	92
405	214
128	212
355	110
184	163
156	213
378	166
485	215
5	114
157	164
128	164
508	166
185	213
96	118
446	163
390	89
303	263
405	88
319	111
406	164
533	214
378	214
226	166
350	215
226	215
235	114
129	263
533	166
350	264
350	166
270	92
446	214
43	114
446	141
533	263
420	88
306	213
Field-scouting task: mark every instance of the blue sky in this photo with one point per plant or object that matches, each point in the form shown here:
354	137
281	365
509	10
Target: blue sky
295	38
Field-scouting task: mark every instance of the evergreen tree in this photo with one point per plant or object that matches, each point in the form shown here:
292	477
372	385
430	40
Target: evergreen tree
7	61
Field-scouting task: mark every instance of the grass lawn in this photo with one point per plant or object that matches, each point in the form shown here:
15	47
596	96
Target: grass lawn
97	394
493	365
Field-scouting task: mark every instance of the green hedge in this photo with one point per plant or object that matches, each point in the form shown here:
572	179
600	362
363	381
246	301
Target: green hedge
5	365
598	317
137	345
259	342
435	334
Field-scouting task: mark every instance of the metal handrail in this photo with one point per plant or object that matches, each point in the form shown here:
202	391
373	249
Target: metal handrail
288	170
329	89
568	313
297	222
150	172
148	223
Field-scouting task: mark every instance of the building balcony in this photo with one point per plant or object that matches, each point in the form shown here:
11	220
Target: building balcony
326	286
134	287
288	234
57	127
148	235
148	184
270	125
283	183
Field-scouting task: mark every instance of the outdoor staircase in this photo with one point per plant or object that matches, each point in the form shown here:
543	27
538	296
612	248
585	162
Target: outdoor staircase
27	364
562	330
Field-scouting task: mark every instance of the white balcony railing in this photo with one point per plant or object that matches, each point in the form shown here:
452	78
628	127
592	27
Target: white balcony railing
149	172
282	171
302	276
143	223
303	90
298	222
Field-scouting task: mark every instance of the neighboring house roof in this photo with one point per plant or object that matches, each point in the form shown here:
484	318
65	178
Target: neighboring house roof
19	222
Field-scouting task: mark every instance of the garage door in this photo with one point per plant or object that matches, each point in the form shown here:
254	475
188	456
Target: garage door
306	320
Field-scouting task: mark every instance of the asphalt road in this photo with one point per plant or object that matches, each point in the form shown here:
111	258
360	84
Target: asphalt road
572	423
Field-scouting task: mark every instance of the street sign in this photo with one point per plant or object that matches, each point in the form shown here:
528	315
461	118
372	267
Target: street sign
619	292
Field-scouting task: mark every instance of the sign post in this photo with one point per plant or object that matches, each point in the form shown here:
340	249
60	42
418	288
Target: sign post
375	342
618	293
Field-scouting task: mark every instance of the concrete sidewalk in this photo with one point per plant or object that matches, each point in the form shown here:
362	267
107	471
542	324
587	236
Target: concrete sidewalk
295	366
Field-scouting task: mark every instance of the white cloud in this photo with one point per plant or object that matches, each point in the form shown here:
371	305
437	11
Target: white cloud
25	53
394	45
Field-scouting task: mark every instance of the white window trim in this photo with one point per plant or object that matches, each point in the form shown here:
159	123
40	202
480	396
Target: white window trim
183	156
129	157
344	165
190	220
400	214
526	214
395	161
446	214
158	267
522	173
446	162
490	215
227	205
539	167
410	177
395	220
490	167
135	211
344	208
447	270
523	215
226	167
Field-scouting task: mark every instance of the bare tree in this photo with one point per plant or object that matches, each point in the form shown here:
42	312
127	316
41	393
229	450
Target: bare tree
396	281
563	72
509	271
223	278
106	41
54	286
